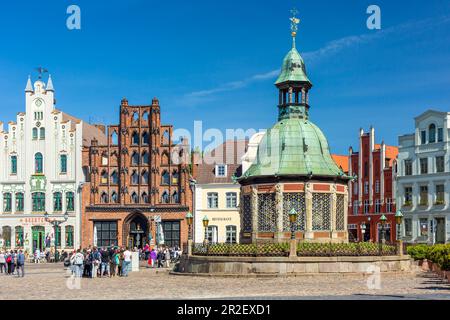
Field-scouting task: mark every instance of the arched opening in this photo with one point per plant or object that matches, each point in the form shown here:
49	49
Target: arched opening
135	138
136	231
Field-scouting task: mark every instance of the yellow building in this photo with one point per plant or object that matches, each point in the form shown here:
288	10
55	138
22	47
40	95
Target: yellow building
216	195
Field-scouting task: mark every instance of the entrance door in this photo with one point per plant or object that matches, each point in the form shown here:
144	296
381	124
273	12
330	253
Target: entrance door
137	237
367	233
38	238
440	230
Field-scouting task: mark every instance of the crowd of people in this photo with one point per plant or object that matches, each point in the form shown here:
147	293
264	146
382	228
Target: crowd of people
12	261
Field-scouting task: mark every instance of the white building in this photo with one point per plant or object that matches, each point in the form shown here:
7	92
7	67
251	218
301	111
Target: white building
423	179
41	171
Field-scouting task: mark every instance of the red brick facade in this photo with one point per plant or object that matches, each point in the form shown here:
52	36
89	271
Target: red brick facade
140	174
371	194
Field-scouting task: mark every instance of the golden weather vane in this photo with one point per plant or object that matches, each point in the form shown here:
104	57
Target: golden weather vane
294	22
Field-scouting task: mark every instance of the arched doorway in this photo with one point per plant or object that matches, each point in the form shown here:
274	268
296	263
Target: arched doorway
136	230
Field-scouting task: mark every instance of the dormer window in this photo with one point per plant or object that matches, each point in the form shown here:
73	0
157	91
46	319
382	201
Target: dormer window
221	171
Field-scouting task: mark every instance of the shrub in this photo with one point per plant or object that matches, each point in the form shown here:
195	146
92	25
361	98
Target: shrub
418	252
439	254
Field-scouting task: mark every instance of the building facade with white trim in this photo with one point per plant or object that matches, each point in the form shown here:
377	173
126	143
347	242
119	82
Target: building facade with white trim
423	179
41	172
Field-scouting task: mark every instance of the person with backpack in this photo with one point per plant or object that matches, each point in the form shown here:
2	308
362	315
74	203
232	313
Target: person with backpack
78	263
106	260
95	260
115	263
87	264
10	261
20	263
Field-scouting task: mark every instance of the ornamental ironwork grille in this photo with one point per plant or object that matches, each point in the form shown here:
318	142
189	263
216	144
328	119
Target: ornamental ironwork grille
247	213
267	216
340	213
294	201
321	211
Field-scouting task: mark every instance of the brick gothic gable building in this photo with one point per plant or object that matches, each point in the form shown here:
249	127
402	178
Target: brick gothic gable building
372	194
138	176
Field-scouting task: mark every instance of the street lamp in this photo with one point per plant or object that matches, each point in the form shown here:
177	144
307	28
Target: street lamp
363	230
399	220
293	219
189	220
56	223
205	224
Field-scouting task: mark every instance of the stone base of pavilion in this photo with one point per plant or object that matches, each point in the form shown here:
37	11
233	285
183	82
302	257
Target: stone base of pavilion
291	266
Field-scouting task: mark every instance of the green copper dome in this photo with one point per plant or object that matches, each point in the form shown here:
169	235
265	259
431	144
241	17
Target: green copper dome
293	69
294	147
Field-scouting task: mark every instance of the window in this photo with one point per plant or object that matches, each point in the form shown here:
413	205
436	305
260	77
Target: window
366	206
366	169
423	224
389	205
135	116
19	237
175	177
213	200
231	234
432	133
135	177
144	177
440	134
135	159
13	164
35	133
408	227
104	197
63	163
38	168
440	164
377	206
135	138
231	199
145	158
145	198
38	202
424	166
355	207
165	178
145	138
69	236
19	202
42	133
70	201
423	195
211	234
175	197
423	137
58	236
134	198
408	196
105	233
408	168
57	201
6	232
366	187
377	186
355	188
7	202
104	177
114	198
440	194
171	231
114	177
221	170
104	159
165	198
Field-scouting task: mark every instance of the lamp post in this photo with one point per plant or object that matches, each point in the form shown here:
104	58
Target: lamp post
189	220
293	245
205	225
383	220
363	231
56	223
399	220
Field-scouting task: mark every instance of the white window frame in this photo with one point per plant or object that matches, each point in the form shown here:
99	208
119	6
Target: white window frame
218	167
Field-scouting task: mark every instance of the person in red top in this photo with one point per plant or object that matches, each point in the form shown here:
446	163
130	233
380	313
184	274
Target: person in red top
147	251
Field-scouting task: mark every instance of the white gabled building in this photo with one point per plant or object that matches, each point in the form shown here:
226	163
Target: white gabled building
423	179
41	171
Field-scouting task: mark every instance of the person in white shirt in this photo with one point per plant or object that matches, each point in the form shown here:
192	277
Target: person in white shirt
126	262
2	262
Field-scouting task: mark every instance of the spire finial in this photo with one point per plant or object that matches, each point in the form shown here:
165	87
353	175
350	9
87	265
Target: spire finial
41	71
294	25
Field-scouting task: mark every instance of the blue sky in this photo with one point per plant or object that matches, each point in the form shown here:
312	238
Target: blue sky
216	61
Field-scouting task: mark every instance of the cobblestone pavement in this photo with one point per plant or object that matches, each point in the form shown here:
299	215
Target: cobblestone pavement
50	282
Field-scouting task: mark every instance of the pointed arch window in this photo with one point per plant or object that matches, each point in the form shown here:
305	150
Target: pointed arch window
114	138
42	133
135	159
13	164
175	177
145	177
135	178
63	163
38	161
135	117
114	198
175	197
165	198
165	139
104	177
134	198
104	197
165	158
70	201
57	201
145	198
19	202
145	159
104	159
432	133
135	138
145	138
35	133
165	178
114	177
